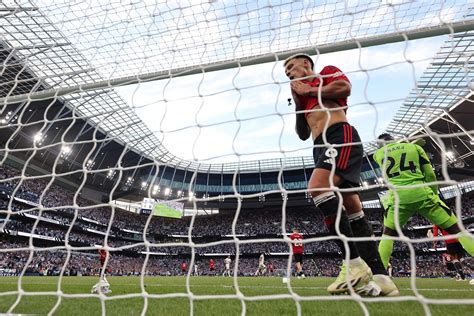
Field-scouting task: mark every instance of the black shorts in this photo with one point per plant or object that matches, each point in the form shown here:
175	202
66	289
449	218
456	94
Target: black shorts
298	257
455	250
450	266
347	159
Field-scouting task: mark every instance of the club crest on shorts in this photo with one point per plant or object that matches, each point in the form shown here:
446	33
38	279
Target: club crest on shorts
331	152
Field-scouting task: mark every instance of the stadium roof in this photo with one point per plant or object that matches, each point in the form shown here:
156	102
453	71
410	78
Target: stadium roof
446	83
78	50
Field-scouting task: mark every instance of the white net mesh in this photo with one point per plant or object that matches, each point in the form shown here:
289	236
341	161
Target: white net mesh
106	103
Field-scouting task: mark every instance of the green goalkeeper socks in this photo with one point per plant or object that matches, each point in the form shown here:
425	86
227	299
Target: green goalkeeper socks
468	244
385	250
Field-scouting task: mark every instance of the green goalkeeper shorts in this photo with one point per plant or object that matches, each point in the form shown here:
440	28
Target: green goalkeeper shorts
431	208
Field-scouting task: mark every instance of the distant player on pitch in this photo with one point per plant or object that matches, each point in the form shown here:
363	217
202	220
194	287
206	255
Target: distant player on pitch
103	285
261	266
196	269
212	266
455	254
298	250
184	267
227	262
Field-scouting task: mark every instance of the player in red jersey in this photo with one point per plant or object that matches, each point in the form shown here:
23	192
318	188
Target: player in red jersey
270	268
103	285
455	252
212	265
298	250
448	261
103	254
184	267
338	155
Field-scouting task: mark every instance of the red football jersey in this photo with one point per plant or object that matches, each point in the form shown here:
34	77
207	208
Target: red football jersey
447	257
102	256
310	102
184	266
211	264
298	245
270	267
102	253
444	233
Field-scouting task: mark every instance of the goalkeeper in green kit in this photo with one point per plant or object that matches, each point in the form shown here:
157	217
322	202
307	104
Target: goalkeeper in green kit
406	164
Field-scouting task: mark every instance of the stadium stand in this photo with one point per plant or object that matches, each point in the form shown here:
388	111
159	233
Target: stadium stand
90	227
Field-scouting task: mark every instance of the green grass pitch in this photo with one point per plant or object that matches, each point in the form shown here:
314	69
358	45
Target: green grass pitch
45	290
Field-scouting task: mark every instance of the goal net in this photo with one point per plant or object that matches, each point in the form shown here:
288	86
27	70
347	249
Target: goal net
163	134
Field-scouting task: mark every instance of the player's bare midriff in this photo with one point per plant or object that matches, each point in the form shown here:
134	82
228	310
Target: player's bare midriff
317	120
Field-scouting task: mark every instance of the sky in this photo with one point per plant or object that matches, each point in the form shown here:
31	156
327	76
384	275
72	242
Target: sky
243	113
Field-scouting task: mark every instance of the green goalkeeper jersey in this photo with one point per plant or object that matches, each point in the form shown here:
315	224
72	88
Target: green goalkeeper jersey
403	164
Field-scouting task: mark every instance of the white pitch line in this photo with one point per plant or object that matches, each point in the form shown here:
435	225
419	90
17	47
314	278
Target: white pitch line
231	286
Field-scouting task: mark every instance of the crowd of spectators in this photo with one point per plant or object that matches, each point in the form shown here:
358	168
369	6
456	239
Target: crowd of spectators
90	222
43	261
52	196
430	266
